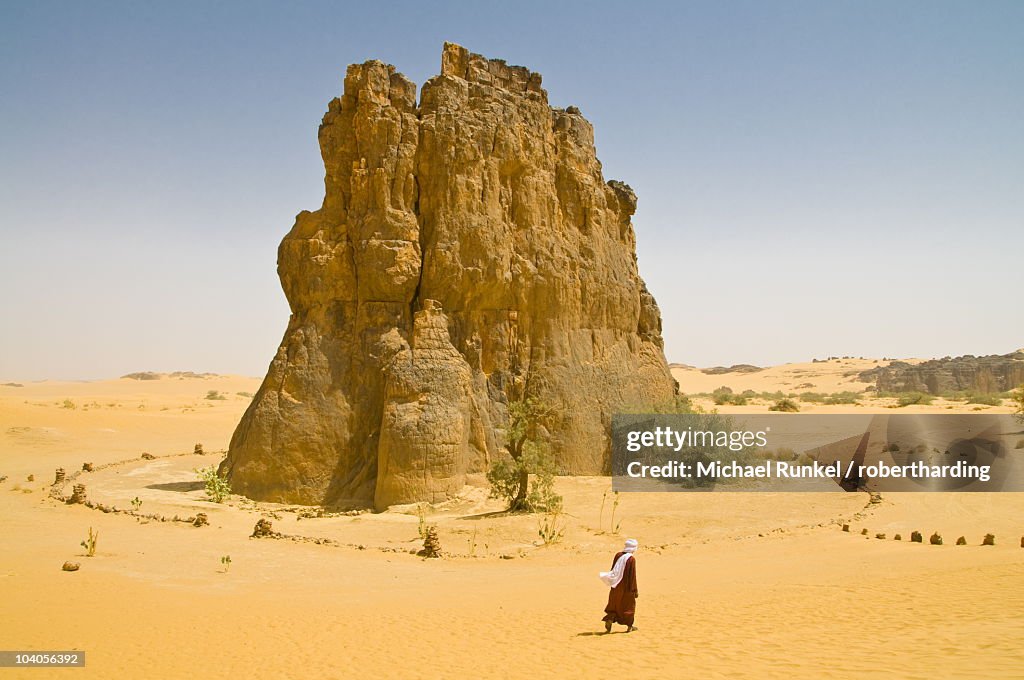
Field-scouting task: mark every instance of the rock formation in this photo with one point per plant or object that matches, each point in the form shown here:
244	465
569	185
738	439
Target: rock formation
468	252
985	375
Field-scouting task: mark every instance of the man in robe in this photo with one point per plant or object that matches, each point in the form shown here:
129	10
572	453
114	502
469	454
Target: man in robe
621	579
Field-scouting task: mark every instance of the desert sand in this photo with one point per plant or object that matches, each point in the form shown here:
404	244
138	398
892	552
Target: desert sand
731	584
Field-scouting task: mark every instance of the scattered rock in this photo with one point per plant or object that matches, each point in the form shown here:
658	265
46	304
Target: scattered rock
77	494
431	544
86	467
897	537
846	527
961	541
935	539
916	537
198	450
880	536
201	520
71	566
58	476
264	529
864	532
989	539
147	456
30	478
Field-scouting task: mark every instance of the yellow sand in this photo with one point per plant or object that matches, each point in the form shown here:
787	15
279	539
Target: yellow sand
731	585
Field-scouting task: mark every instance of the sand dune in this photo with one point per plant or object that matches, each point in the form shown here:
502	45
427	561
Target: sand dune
732	584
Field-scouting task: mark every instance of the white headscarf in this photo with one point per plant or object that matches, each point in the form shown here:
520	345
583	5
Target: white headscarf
614	577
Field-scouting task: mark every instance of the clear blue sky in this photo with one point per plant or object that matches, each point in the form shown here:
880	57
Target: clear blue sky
814	178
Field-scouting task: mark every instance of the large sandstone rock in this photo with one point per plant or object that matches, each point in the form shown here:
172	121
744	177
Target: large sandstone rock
468	252
988	374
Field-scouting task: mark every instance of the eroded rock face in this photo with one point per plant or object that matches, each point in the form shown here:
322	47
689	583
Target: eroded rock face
987	374
468	252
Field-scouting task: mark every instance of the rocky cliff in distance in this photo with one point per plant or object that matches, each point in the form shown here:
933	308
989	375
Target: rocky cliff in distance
984	375
468	253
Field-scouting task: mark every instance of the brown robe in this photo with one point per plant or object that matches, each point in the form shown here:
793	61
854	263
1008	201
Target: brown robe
622	598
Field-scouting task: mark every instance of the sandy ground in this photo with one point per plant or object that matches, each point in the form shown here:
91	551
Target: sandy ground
732	585
826	377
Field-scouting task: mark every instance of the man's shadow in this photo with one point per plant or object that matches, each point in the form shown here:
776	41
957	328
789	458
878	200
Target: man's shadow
600	633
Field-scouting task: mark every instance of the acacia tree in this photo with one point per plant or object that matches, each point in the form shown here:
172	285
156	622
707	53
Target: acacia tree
529	455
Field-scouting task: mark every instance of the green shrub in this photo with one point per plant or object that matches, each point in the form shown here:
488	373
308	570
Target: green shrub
725	395
217	487
914	399
786	405
535	468
842	398
986	399
215	395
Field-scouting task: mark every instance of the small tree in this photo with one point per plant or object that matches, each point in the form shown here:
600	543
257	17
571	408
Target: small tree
527	484
528	456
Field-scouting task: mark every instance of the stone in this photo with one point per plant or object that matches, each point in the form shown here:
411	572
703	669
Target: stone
264	528
71	566
916	537
935	539
77	494
198	450
962	540
468	253
148	456
200	520
431	544
989	539
86	467
984	375
897	537
58	476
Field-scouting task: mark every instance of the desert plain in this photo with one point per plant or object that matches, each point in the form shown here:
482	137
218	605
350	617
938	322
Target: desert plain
731	584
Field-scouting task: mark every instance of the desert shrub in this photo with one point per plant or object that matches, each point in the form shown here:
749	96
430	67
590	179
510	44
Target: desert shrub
217	487
786	405
247	395
725	395
842	398
90	543
215	395
527	478
550	529
986	399
812	397
68	404
225	560
421	515
914	399
1018	402
527	484
804	460
785	453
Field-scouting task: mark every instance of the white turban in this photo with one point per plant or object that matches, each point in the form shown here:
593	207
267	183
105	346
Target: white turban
630	546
